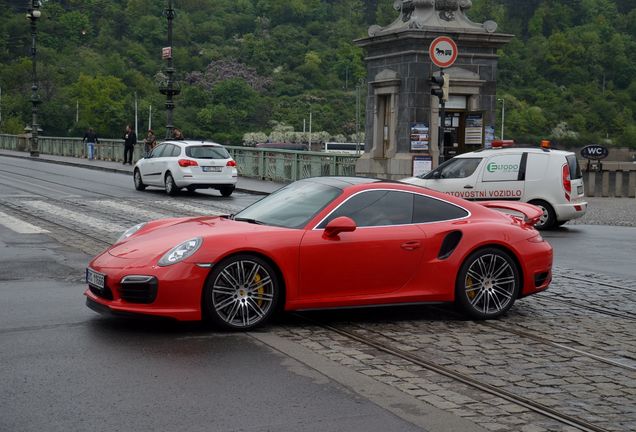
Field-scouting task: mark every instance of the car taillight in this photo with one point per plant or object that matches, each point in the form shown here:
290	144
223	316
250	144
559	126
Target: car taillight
187	162
230	163
567	184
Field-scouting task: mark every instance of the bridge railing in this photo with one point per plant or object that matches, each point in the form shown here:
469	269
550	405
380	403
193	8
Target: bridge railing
265	164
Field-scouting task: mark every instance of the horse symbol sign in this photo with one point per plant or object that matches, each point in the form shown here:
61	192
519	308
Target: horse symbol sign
443	51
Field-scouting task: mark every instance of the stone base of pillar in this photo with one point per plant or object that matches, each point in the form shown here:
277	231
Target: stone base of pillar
395	168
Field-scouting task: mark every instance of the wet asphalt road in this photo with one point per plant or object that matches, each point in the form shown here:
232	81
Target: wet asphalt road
63	367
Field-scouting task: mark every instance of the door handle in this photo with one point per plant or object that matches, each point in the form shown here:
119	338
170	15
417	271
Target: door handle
410	245
468	187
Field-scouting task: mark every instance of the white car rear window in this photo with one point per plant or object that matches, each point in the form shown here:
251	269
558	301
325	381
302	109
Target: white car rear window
207	152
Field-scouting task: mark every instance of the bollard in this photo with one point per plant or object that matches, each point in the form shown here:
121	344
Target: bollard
618	184
605	184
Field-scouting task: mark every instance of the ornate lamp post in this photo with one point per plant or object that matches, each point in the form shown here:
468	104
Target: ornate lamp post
170	89
33	13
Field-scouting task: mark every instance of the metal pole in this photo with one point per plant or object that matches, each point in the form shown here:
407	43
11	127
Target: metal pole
442	124
136	117
358	118
170	91
33	14
503	116
150	117
309	130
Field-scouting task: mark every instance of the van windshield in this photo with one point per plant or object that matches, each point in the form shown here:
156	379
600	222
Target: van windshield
454	168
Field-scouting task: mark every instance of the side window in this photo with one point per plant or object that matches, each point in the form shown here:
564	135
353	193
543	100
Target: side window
502	168
427	209
175	150
376	208
456	168
157	151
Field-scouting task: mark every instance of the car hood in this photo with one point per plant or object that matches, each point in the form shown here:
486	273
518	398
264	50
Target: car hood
157	239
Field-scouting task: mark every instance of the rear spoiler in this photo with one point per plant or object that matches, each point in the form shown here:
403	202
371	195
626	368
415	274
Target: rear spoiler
531	213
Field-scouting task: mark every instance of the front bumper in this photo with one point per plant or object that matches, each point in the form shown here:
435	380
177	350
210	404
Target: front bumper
171	292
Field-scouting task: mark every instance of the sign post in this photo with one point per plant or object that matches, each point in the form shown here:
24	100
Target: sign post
443	53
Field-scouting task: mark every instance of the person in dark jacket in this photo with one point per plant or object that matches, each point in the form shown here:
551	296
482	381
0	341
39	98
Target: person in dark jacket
130	139
90	138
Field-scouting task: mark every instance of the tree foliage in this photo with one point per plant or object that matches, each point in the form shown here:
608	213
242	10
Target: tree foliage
245	64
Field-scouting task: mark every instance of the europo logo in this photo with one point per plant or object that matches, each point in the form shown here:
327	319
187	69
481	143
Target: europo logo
493	167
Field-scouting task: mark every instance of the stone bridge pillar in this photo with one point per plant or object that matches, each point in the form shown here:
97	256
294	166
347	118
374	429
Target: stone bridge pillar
399	100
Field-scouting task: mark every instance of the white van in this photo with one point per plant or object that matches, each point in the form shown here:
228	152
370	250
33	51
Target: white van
550	179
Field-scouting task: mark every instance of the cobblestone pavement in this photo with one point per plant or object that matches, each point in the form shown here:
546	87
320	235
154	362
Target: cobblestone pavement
572	348
608	211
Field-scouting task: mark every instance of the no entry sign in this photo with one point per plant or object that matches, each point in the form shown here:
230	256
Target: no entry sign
443	51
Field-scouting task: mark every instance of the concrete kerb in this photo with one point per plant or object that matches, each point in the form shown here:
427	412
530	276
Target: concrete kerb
247	185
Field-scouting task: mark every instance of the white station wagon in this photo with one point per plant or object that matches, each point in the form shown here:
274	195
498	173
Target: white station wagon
174	165
549	179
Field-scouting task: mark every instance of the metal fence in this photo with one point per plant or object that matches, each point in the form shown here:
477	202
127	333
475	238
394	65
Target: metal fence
266	164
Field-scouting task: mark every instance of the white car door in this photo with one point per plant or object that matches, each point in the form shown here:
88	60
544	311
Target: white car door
151	167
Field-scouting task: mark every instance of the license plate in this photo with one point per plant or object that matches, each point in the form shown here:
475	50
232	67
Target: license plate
579	189
95	279
212	168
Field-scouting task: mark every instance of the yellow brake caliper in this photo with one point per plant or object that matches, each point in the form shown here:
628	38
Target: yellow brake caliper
469	285
260	289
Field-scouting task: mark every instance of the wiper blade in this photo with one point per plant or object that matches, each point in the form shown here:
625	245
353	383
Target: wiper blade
248	220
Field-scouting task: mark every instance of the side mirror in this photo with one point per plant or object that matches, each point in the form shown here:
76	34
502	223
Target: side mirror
339	225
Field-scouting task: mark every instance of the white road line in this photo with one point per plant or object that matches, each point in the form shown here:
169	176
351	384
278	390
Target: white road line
78	218
128	209
19	226
204	211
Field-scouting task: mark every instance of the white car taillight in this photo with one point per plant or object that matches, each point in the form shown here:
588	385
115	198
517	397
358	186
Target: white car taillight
567	184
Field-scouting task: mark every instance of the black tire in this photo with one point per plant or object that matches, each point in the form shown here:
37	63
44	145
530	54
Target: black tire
139	183
171	187
191	189
548	220
488	283
241	293
226	191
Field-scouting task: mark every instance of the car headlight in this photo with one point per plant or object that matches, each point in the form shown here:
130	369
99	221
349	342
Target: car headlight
181	252
130	231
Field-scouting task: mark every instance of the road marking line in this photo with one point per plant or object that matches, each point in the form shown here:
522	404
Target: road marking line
20	226
78	218
203	211
128	209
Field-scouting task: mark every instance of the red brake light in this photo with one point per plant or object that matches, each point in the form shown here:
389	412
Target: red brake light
230	163
187	162
567	184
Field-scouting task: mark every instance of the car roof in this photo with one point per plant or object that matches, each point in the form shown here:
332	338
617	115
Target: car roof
188	143
341	182
511	150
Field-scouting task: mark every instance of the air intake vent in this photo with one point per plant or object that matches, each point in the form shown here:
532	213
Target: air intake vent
449	244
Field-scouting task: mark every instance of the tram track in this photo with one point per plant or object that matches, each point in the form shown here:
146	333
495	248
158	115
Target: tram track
386	348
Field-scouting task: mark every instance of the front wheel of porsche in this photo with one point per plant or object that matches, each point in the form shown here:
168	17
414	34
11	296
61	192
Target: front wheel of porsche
241	293
487	284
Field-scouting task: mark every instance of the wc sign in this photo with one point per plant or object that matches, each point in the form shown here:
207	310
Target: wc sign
594	152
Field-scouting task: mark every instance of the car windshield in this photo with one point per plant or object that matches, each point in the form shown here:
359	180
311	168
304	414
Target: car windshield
207	152
292	206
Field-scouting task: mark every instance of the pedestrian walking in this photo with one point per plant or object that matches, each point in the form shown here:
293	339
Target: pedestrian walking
149	142
177	134
130	139
90	138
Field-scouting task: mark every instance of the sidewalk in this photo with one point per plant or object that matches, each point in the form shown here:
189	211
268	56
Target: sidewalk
244	184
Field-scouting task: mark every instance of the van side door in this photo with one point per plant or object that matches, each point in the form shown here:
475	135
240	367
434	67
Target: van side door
502	177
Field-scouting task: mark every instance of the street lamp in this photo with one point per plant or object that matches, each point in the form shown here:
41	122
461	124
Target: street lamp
503	116
170	89
33	13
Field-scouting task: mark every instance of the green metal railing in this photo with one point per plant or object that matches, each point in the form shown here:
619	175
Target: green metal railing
265	164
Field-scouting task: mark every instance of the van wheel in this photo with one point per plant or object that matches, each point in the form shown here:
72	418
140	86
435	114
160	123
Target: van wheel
548	219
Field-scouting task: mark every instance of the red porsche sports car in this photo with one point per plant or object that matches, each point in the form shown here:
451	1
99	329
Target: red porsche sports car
326	242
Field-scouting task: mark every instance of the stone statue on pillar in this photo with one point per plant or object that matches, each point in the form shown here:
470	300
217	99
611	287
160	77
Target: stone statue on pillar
420	14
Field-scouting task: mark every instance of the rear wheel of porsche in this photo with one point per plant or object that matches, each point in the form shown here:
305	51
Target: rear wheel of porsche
488	283
241	293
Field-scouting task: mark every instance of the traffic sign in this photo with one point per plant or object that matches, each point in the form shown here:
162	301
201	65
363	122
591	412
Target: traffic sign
166	53
443	51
